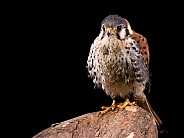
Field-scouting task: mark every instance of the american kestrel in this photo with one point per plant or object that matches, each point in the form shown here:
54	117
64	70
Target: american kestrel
118	62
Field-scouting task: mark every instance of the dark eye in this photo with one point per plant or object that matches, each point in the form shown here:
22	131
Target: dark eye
119	27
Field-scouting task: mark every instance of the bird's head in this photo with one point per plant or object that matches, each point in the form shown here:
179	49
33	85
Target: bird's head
115	25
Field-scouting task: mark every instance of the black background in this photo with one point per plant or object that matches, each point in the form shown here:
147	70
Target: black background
51	41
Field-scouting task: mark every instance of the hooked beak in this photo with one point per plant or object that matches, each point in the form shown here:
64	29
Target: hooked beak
110	31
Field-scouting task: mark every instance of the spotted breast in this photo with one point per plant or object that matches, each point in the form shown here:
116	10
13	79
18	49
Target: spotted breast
116	66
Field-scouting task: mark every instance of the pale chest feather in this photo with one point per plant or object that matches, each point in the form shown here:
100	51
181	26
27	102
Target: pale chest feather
114	61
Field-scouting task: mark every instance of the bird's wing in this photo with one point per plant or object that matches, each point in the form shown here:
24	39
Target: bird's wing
144	48
93	64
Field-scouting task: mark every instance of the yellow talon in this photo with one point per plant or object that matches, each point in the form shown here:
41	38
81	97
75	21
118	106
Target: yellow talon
114	105
127	102
106	109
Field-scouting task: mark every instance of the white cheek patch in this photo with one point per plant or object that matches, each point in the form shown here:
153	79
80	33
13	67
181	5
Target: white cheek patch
122	34
101	34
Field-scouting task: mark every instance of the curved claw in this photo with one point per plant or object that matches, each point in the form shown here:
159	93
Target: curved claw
114	105
107	109
127	102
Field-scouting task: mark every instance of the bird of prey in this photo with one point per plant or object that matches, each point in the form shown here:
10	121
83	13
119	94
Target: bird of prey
118	62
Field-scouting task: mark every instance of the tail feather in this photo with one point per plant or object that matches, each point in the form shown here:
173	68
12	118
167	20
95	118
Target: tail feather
146	105
157	119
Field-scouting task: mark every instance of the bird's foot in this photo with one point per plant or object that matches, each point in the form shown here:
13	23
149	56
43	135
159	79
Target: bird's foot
107	109
114	105
123	105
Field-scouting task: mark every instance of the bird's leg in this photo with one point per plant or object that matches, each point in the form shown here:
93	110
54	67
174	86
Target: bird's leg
106	109
127	102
